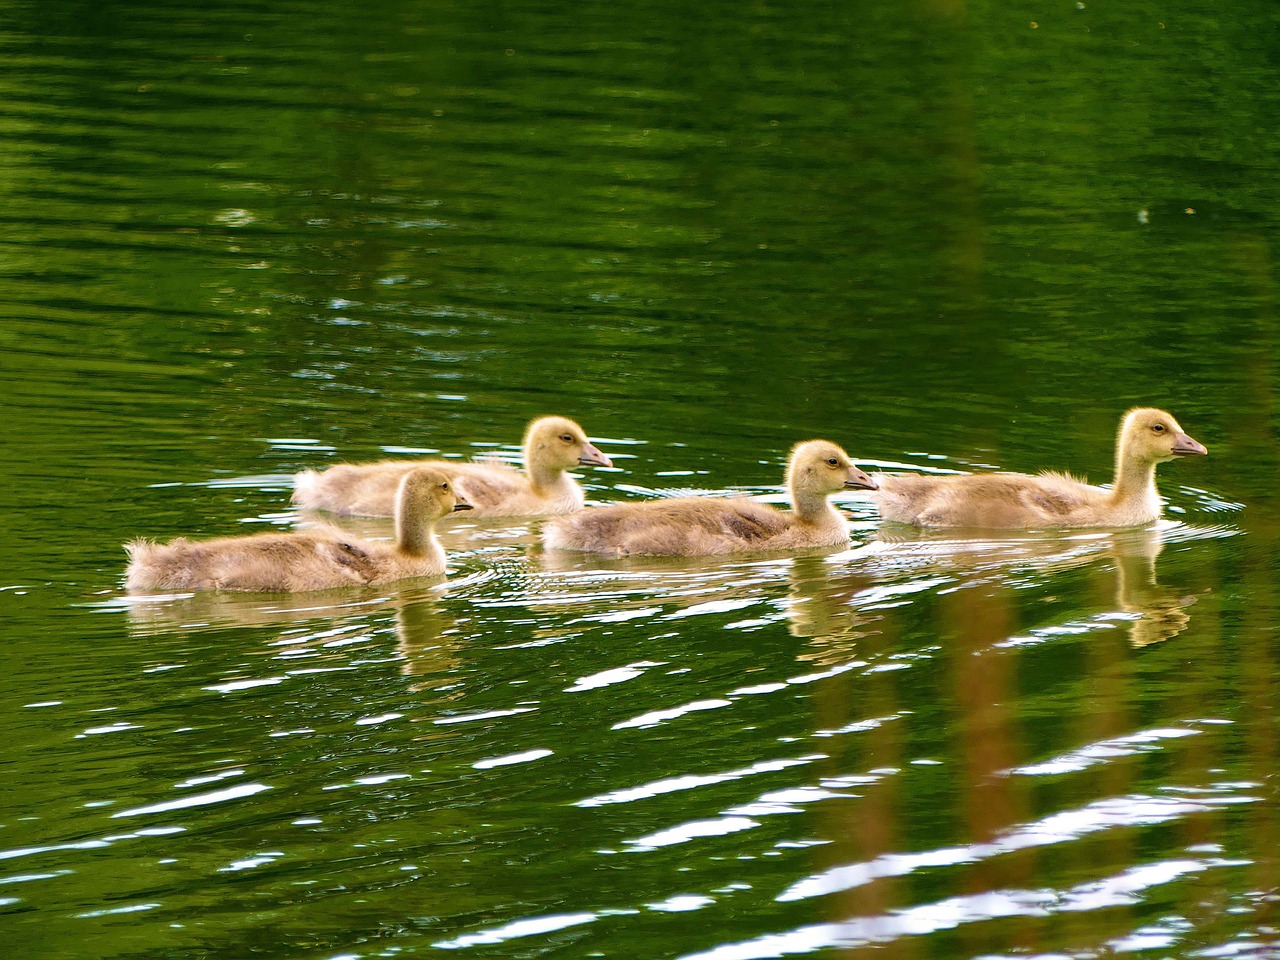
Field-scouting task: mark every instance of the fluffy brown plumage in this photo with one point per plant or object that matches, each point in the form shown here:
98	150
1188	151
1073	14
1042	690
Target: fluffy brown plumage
1146	437
694	526
305	560
552	445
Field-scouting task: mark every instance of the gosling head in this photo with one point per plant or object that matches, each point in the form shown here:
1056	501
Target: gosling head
822	465
561	443
1154	436
430	495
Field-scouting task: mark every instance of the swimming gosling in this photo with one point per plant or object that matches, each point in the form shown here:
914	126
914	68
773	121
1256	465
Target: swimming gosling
696	526
1006	501
305	560
552	445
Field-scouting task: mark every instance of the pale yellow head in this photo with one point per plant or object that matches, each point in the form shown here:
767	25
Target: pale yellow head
822	467
427	495
560	444
1150	435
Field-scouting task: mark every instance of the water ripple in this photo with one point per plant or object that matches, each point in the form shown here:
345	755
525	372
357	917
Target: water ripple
197	800
1116	890
1103	751
692	782
518	929
99	844
1099	816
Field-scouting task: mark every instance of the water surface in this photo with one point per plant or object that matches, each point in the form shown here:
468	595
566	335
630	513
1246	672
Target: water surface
242	241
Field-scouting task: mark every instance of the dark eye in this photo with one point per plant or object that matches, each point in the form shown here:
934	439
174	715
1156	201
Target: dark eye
1158	427
444	486
833	461
566	438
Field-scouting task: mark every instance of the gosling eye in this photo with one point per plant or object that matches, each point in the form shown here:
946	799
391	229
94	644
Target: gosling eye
566	438
1157	427
833	461
444	487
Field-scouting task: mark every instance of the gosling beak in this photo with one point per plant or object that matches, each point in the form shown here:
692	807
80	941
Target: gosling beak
1184	446
859	481
592	457
462	505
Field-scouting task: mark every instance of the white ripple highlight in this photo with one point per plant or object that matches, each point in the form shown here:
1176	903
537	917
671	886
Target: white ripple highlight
1144	741
100	844
487	715
109	728
516	930
1122	889
198	800
117	911
712	606
527	757
1057	828
236	685
656	717
692	781
251	863
681	903
693	830
606	678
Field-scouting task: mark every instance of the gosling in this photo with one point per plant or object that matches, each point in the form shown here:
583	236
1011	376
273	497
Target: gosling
552	445
305	560
1008	501
697	526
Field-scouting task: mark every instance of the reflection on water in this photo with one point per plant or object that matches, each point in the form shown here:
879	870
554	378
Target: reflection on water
921	737
1161	613
1152	612
906	741
884	734
159	614
427	635
822	607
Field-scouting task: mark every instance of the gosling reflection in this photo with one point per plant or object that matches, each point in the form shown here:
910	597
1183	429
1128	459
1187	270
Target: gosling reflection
821	608
821	604
1160	611
1154	612
620	589
158	614
427	633
429	640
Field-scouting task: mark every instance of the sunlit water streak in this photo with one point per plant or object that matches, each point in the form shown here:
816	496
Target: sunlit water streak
1121	889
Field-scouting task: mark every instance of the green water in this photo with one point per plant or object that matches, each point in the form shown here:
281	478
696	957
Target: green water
240	241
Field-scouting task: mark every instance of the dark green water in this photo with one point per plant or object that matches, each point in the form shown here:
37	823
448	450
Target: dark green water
241	241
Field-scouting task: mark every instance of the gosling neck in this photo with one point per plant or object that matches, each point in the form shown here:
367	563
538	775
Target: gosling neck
545	478
812	506
1135	480
415	535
